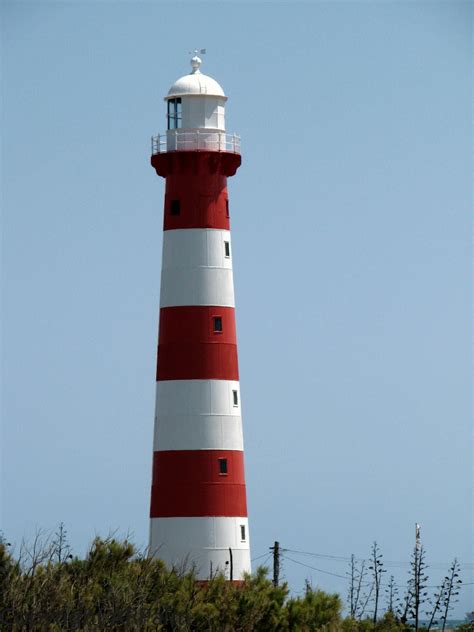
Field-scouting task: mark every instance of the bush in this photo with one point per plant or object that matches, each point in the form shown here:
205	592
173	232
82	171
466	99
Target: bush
117	588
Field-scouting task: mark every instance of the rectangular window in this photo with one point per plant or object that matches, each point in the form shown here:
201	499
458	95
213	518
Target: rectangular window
175	207
174	113
227	249
223	466
242	532
217	323
235	398
227	208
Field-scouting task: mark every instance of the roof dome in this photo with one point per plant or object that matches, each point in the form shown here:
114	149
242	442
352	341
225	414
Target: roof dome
195	84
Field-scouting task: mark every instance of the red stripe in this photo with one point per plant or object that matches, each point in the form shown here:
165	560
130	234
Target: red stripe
190	349
188	483
199	181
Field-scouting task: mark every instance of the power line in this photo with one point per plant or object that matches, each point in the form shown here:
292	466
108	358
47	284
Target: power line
254	559
321	555
267	557
401	564
320	570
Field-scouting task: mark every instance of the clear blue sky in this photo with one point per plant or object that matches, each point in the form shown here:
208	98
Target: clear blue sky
351	241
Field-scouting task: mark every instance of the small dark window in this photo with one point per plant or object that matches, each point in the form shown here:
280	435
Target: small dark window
227	249
217	323
235	398
242	532
174	113
175	208
227	208
222	466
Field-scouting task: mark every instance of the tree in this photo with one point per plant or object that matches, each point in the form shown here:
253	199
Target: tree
416	590
61	549
452	584
352	594
376	566
357	574
117	588
391	593
315	610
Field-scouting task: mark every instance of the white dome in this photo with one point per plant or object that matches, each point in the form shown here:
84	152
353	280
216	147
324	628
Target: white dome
195	83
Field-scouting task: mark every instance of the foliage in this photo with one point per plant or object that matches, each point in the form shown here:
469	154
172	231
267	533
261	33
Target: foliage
391	593
117	588
357	574
399	613
465	627
377	572
416	594
317	610
450	590
388	623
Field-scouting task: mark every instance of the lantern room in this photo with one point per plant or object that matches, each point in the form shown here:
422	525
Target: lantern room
196	101
195	114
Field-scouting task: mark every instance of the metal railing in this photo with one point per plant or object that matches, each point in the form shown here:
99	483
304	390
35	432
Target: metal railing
198	140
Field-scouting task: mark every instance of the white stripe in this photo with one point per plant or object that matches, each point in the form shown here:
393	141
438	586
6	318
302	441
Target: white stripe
195	247
197	415
200	542
195	270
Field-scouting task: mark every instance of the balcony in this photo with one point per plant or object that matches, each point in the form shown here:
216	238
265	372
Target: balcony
196	140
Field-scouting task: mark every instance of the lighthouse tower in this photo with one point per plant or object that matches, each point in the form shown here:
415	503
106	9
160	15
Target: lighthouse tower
198	499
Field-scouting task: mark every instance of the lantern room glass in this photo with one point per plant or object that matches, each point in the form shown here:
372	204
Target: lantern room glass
174	113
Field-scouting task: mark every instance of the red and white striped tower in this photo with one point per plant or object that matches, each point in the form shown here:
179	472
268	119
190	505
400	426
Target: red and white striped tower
198	499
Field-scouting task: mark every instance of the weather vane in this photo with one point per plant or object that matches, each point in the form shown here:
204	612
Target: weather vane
196	61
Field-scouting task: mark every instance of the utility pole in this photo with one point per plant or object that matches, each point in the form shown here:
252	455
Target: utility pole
276	562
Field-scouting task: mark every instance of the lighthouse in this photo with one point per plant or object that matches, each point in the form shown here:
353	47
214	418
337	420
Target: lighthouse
198	514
